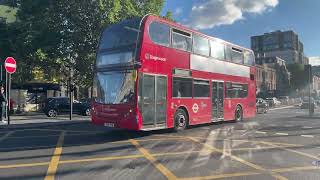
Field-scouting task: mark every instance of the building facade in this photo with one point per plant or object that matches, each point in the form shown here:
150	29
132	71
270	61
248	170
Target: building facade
314	61
283	44
266	79
282	73
316	84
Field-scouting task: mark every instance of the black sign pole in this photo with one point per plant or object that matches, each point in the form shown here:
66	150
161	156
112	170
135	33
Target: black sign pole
1	73
6	94
9	87
70	98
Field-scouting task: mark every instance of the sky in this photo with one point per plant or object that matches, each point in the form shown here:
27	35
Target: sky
237	20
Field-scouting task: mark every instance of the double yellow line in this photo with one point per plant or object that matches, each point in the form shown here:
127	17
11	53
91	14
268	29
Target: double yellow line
53	166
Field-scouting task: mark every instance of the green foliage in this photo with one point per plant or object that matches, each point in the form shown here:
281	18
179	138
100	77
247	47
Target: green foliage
298	77
8	13
169	16
58	35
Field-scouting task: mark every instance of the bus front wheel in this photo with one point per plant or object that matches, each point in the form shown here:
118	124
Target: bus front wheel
180	120
239	114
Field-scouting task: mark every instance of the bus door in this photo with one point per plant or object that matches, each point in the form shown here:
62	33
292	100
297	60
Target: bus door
217	101
154	100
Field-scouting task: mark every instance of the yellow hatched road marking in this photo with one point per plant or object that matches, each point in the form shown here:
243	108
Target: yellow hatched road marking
52	169
257	167
23	165
240	140
73	161
152	139
55	135
294	151
165	171
125	157
280	170
98	159
222	176
57	130
283	170
101	159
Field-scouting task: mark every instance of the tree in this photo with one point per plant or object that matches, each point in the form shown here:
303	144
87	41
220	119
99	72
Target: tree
298	77
55	35
169	16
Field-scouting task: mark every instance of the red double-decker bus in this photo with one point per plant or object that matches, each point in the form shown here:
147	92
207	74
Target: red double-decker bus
152	73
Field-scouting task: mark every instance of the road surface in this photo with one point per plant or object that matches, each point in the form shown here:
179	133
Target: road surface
276	145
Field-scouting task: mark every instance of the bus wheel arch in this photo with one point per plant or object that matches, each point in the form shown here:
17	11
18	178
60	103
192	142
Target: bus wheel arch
181	119
238	115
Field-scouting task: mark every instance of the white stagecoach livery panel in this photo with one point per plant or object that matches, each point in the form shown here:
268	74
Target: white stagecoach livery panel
212	65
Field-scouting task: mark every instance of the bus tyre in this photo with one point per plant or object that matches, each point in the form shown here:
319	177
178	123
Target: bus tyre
238	114
180	120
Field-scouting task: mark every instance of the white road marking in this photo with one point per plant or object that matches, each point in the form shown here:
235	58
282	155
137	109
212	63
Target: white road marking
308	136
288	125
285	107
245	133
283	134
261	132
306	127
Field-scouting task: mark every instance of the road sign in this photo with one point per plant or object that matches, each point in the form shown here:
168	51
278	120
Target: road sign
10	65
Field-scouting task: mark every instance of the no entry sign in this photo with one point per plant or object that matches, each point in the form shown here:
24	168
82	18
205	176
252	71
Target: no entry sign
10	65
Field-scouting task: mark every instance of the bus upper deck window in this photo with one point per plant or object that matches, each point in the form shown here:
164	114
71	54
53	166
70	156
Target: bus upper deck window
160	33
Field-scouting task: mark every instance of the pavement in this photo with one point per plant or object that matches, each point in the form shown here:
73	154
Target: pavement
276	145
35	119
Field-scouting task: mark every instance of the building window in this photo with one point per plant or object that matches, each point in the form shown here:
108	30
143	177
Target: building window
160	33
182	87
200	45
181	40
235	90
217	50
201	88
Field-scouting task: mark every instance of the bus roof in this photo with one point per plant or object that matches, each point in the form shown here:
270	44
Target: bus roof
185	28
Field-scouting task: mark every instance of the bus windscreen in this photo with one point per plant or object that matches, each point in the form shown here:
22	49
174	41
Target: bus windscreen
120	35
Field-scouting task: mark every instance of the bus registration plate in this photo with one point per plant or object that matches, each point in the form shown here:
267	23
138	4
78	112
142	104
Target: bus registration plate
109	124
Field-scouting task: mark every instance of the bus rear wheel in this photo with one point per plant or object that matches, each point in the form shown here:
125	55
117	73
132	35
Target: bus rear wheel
180	120
238	114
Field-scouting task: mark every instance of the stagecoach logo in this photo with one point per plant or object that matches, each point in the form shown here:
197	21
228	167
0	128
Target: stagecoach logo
155	58
195	108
